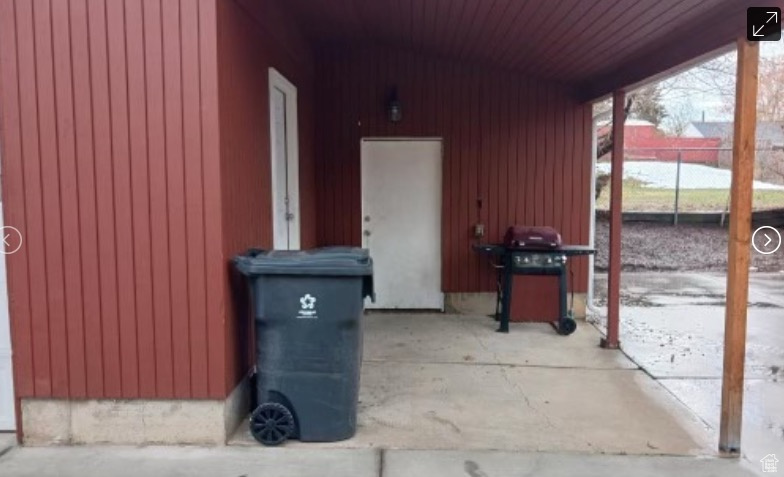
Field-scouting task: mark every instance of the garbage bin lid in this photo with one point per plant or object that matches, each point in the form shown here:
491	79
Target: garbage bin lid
326	261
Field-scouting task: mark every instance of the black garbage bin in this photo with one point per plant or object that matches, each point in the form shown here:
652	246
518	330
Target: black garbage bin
308	308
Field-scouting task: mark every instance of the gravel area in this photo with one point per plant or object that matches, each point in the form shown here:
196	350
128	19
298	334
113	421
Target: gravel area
660	247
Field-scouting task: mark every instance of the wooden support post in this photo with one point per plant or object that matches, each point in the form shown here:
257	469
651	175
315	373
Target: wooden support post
616	194
739	243
677	188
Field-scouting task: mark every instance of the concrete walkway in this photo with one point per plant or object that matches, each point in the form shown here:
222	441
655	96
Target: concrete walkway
265	462
673	327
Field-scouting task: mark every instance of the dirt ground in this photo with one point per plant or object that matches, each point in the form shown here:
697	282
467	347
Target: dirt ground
660	247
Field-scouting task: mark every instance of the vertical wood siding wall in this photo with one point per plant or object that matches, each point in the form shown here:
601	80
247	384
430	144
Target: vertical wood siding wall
520	146
111	171
135	160
254	36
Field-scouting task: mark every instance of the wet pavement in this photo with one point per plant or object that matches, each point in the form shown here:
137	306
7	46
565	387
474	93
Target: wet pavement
672	325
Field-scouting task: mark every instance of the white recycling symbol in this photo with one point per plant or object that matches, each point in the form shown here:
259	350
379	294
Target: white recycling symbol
308	302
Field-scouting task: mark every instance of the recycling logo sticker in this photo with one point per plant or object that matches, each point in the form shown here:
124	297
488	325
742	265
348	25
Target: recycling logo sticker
307	307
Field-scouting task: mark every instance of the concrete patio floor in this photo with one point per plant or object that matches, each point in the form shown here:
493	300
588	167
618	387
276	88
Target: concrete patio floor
672	325
451	382
446	396
98	461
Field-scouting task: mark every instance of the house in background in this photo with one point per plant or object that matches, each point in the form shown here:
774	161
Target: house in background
144	144
644	142
770	134
770	146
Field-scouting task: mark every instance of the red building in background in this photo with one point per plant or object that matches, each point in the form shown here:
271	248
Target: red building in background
643	142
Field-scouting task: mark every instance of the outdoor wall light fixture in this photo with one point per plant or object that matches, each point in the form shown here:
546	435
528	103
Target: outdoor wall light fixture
394	108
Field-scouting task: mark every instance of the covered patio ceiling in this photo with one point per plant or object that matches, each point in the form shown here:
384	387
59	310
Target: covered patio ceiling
593	46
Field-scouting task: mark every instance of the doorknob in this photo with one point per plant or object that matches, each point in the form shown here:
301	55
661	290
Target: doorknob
367	218
367	233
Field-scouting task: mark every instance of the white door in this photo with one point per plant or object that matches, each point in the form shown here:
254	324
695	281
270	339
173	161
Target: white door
401	221
7	416
285	162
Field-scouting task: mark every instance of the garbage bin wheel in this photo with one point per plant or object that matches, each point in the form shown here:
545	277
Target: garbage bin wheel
566	326
271	423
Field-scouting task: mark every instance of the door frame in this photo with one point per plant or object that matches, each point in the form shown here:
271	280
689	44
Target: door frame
279	82
437	139
6	345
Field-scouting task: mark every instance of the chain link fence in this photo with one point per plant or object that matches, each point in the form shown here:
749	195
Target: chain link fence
687	183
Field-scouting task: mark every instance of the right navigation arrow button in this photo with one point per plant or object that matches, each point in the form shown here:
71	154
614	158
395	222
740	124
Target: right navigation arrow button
766	240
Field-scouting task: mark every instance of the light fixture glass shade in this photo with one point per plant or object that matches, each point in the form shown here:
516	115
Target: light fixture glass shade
395	111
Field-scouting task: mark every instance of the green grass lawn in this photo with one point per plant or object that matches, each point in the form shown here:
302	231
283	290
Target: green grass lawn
637	198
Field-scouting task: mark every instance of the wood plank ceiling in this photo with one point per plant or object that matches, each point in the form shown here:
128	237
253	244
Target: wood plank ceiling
571	41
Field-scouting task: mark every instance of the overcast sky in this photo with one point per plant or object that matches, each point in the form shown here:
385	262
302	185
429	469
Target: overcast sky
692	102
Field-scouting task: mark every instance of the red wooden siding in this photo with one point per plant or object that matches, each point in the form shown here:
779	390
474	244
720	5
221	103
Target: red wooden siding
111	171
136	163
135	150
519	146
255	36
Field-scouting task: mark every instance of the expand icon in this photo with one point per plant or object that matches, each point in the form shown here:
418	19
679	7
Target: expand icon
763	24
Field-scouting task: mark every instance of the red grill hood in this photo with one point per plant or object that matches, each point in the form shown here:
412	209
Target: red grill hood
535	238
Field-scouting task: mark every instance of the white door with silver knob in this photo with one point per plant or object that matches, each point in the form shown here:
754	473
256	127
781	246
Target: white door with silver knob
401	221
284	144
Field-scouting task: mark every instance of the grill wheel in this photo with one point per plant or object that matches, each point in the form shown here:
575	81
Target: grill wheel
566	326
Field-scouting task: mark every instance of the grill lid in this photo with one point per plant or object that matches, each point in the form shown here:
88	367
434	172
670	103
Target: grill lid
523	237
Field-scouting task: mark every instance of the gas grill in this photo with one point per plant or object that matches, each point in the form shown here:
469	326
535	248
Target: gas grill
532	251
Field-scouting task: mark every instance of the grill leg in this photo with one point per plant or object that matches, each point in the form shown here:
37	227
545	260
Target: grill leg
499	283
566	324
506	299
562	291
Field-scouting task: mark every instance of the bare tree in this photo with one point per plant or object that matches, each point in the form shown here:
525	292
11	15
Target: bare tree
717	78
648	104
770	166
770	95
678	118
604	142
